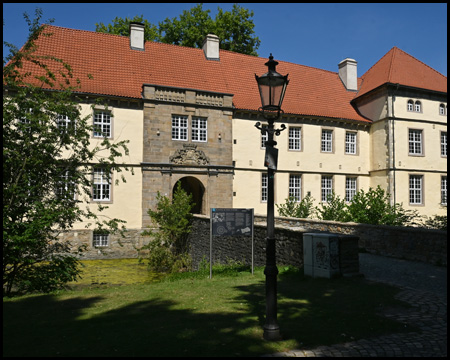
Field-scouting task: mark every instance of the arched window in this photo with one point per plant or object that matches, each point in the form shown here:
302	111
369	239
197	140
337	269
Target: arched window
442	109
410	105
417	106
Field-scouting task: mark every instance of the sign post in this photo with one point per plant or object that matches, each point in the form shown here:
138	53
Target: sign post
230	222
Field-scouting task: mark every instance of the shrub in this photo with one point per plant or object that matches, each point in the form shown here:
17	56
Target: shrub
294	208
168	249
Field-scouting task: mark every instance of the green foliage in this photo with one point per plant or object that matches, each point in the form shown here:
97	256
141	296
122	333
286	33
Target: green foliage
437	222
168	249
45	173
333	209
121	26
371	207
374	208
294	208
234	29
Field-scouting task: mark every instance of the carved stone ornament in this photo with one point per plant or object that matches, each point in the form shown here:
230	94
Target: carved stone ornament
189	155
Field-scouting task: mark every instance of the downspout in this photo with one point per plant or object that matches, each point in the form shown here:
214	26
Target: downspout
393	143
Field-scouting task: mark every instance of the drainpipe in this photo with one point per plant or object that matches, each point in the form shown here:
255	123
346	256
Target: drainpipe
393	143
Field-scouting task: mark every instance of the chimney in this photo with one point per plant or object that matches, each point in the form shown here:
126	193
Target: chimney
137	36
349	74
211	47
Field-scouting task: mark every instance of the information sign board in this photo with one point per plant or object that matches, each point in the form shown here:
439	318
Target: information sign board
230	222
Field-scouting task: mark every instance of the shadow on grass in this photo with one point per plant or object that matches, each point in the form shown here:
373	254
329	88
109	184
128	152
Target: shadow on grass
49	326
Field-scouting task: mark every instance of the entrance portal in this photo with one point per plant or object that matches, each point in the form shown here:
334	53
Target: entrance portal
194	187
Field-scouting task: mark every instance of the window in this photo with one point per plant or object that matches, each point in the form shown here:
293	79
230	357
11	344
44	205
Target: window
63	122
444	143
264	187
327	141
179	127
100	240
415	189
417	106
444	190
102	124
327	187
442	109
199	129
410	105
415	142
102	186
350	143
264	137
295	182
350	188
65	186
295	138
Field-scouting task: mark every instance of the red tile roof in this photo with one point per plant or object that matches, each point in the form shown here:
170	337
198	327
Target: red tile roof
398	67
119	71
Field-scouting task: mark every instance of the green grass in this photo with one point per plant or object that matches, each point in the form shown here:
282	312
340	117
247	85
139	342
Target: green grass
192	315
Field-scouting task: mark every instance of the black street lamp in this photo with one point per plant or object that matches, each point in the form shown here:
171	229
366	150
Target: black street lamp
272	87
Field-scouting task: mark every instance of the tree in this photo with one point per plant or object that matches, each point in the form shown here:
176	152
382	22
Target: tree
235	29
121	26
168	249
47	174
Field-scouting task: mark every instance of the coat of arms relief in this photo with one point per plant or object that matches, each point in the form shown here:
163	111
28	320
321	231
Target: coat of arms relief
189	155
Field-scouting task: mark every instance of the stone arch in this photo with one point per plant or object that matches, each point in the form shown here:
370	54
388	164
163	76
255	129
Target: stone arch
193	186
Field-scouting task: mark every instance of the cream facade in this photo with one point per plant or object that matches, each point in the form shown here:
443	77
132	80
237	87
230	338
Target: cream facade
190	114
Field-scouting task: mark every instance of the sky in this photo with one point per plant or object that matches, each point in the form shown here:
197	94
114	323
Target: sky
319	35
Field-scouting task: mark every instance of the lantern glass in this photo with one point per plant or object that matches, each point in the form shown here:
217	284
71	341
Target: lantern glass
272	87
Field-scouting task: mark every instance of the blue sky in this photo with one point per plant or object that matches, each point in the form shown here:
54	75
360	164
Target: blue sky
318	35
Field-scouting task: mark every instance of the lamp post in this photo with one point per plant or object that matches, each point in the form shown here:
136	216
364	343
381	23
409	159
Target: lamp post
272	87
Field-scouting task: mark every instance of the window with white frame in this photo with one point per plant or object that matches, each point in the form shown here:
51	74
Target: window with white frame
327	187
295	186
417	106
102	124
327	141
63	122
444	190
264	187
179	127
350	143
101	185
264	137
410	105
350	188
295	138
65	186
199	129
415	189
444	143
442	109
415	142
100	240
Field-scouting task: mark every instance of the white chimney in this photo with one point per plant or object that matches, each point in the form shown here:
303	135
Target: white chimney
349	74
137	36
211	47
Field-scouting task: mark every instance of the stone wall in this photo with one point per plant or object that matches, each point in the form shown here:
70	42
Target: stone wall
401	242
119	247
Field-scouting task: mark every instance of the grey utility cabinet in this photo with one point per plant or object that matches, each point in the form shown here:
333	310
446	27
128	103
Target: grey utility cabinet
329	255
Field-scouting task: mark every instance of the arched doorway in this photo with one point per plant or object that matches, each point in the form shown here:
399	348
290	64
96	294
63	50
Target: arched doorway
194	187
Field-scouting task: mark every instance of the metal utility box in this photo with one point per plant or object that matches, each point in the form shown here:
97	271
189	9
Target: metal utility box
321	255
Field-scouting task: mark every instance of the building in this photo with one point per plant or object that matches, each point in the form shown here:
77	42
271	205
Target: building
190	114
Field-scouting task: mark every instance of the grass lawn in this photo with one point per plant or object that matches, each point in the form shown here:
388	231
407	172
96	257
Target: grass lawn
193	315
